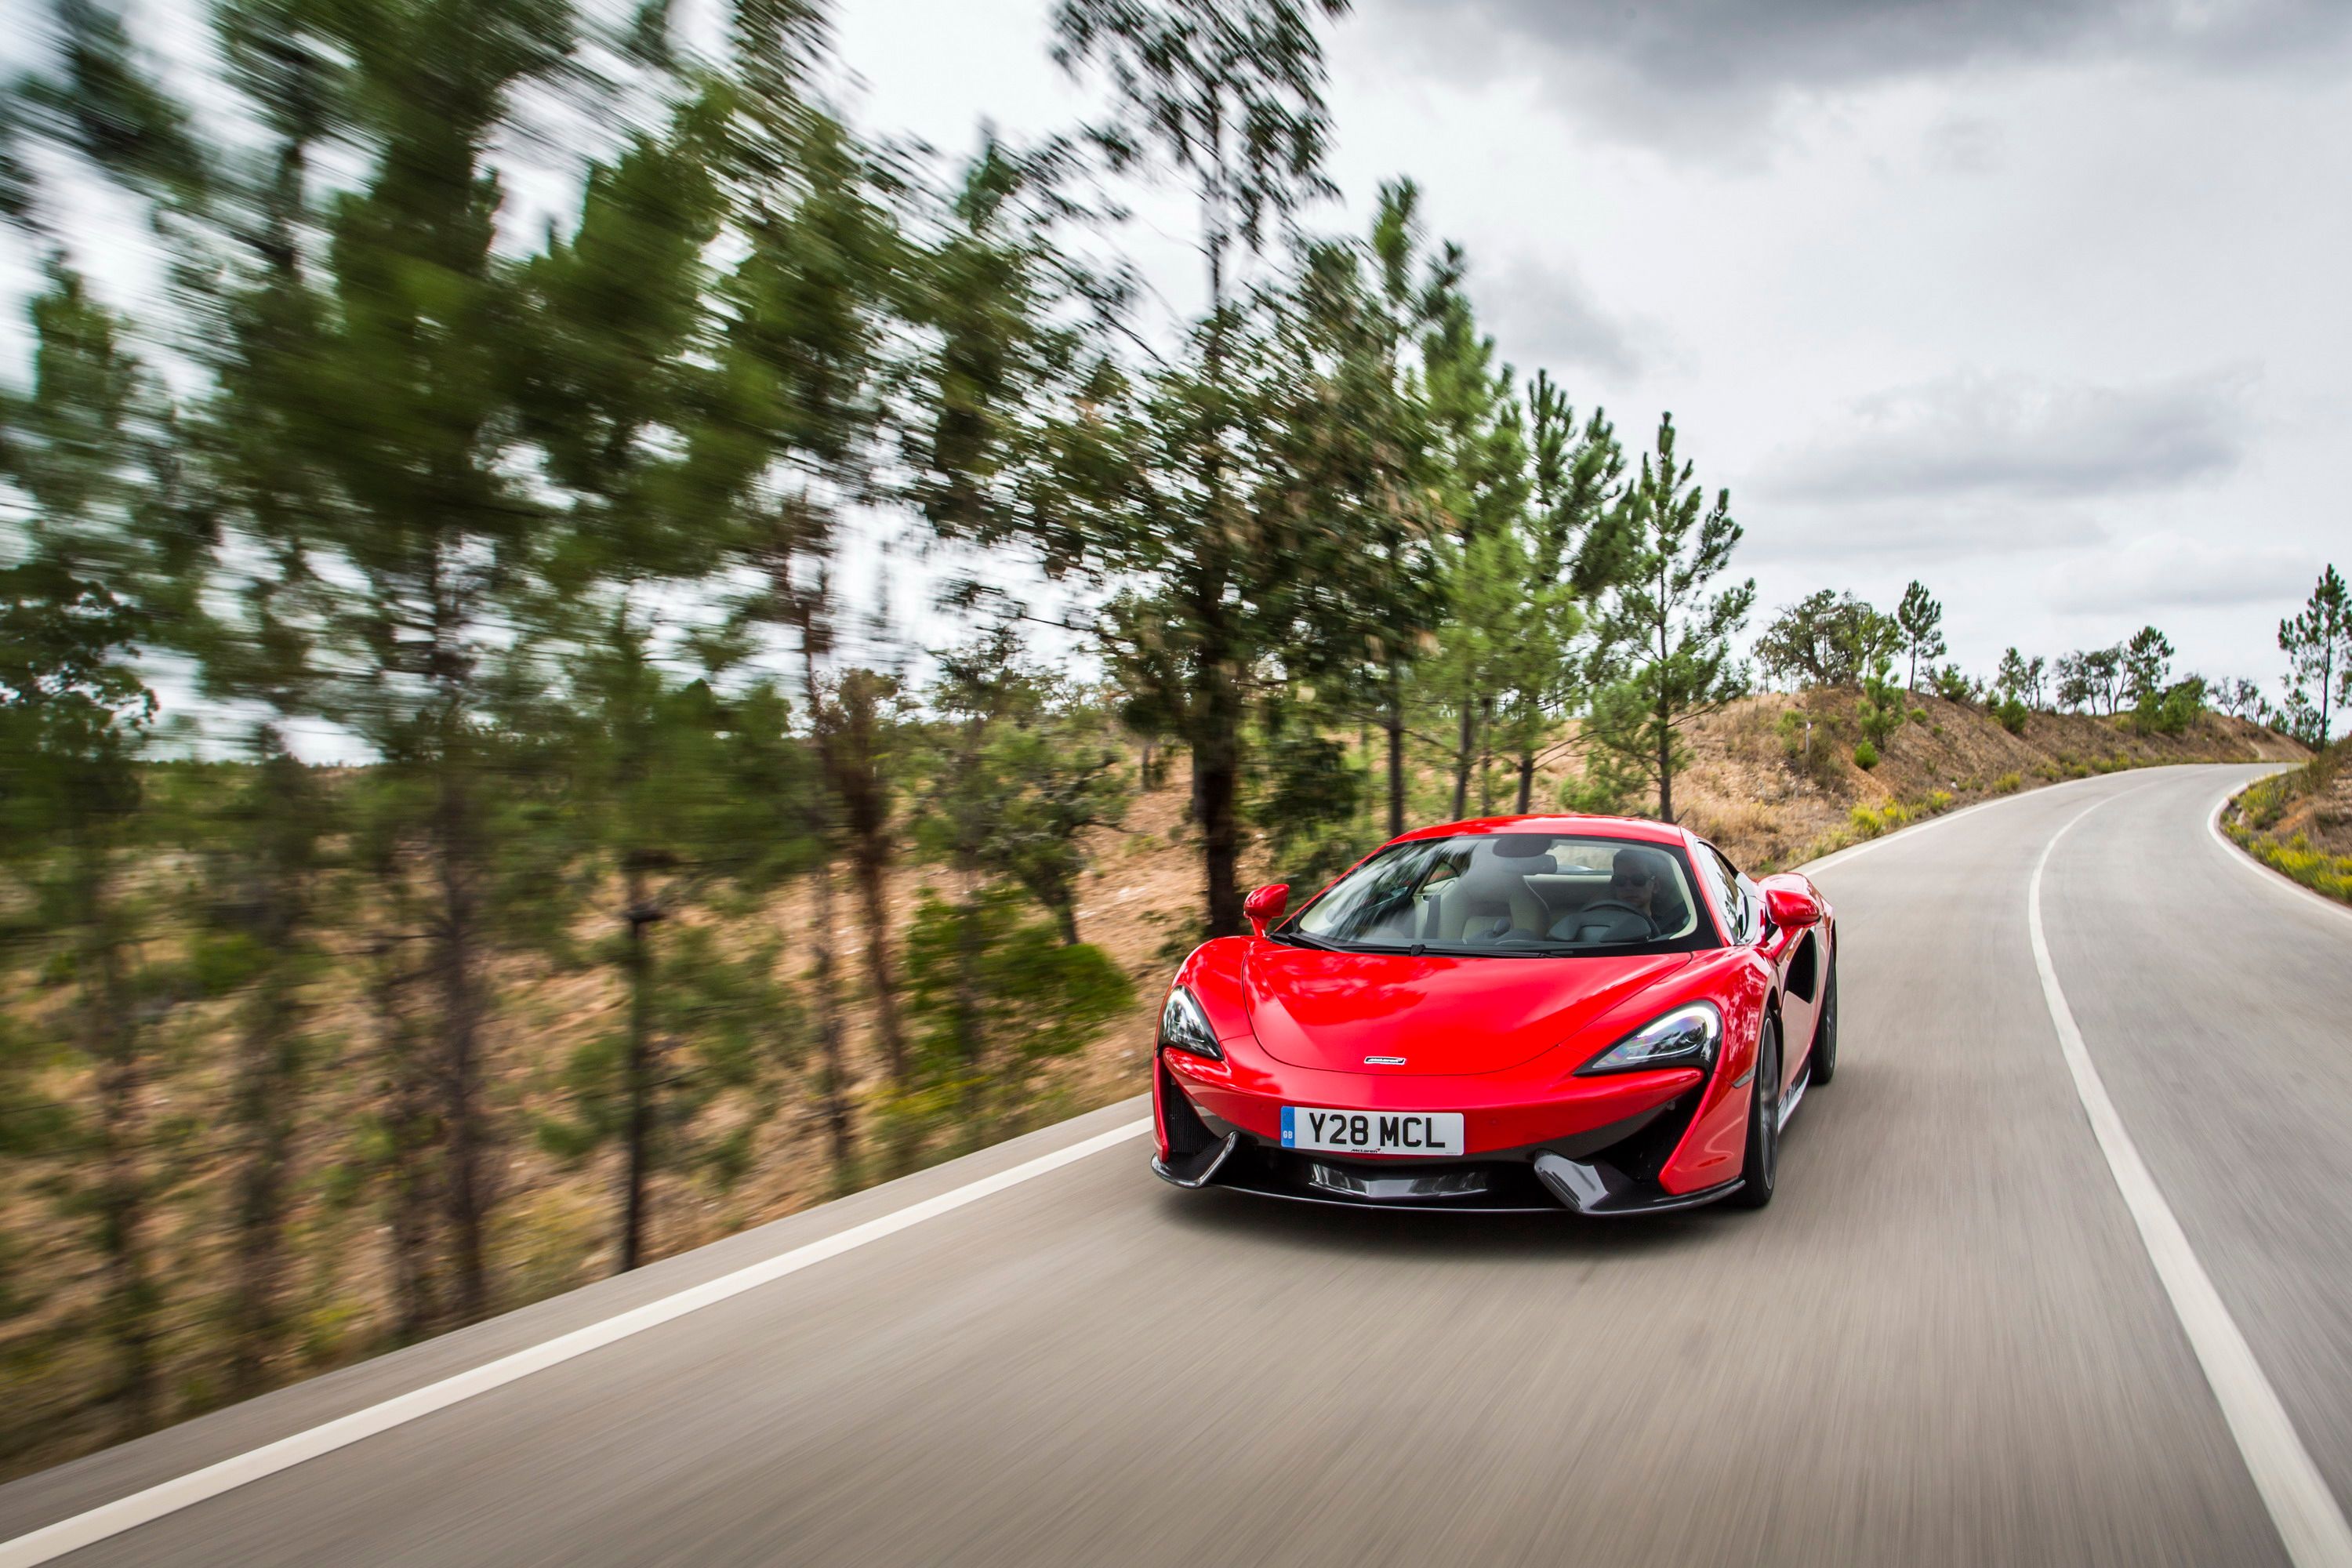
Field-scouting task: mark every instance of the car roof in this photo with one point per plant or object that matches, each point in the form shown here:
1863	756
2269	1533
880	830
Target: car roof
1633	829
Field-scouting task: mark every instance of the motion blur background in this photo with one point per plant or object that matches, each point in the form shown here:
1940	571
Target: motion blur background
621	620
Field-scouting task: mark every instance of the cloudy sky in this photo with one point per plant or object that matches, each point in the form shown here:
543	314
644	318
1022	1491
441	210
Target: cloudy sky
2047	304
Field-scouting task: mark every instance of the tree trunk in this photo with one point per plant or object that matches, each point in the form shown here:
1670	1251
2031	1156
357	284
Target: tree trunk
408	1109
971	1044
1665	770
269	1061
1527	780
262	1114
1066	919
869	859
1486	757
835	1085
1463	748
636	1076
1216	789
108	1038
1393	720
462	1193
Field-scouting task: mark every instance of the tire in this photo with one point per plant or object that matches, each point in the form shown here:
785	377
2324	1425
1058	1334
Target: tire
1760	1168
1824	1054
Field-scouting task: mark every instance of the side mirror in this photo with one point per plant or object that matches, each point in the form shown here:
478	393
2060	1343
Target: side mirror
1791	902
1267	905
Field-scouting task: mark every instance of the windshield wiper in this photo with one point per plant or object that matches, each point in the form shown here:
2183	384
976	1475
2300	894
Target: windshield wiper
1300	939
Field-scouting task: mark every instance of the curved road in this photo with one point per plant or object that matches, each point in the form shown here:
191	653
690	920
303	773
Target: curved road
1946	1342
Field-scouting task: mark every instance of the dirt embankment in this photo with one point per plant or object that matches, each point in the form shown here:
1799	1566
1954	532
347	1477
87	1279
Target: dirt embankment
1774	779
2301	821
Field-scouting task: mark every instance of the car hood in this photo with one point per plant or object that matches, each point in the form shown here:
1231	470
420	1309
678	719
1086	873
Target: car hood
1442	1015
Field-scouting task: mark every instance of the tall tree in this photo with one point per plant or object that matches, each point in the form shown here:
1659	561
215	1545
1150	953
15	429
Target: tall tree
2317	642
1665	636
73	715
2146	663
89	449
1575	473
794	434
1230	98
1920	618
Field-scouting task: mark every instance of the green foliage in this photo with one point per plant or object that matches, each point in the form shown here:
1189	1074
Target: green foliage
1866	753
2013	713
2146	665
2008	784
1953	685
2170	711
993	997
1828	639
1882	708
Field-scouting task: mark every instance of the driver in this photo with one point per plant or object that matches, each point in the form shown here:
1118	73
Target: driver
1638	879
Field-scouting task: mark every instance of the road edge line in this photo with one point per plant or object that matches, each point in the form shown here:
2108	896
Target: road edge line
154	1502
2302	1508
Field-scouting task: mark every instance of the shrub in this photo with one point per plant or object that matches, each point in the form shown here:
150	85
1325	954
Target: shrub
1938	801
1865	755
2008	784
1954	687
1870	823
2011	714
1882	710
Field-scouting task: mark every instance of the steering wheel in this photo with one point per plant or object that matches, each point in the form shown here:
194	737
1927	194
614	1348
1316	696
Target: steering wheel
1585	918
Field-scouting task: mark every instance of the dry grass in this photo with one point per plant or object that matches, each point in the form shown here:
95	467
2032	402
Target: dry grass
1746	790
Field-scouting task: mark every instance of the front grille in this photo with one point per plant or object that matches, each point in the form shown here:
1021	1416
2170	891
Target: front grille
1455	1181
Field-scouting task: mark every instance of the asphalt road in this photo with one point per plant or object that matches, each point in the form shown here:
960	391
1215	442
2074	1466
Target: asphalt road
1945	1343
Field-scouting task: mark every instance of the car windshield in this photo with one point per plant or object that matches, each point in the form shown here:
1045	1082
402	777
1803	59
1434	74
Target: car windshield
1510	895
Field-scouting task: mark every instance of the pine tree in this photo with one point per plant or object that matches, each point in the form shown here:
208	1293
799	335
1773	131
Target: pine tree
2317	642
1920	619
1231	100
1665	637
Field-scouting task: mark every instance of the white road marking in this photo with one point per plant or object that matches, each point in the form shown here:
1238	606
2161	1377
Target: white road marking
140	1508
2301	1506
2275	878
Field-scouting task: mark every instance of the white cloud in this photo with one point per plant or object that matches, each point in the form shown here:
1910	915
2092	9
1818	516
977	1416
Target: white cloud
1967	434
2173	570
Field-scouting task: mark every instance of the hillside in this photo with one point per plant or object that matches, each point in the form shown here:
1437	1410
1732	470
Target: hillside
1757	788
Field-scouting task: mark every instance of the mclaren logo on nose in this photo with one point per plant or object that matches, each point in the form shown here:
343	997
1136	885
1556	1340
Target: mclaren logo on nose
1384	1062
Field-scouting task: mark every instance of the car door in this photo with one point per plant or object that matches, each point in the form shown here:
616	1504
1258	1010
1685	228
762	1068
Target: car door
1795	957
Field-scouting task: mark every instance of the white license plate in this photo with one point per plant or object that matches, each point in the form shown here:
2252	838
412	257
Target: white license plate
1372	1131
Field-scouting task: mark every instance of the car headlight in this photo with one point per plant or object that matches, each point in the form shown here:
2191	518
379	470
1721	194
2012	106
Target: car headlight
1687	1037
1184	1027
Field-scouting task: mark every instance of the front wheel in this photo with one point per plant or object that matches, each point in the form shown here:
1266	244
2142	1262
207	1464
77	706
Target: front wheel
1761	1168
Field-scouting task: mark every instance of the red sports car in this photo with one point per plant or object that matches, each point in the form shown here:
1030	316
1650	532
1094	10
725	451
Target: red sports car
1586	1013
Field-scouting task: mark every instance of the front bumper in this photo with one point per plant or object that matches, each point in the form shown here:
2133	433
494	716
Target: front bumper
1617	1166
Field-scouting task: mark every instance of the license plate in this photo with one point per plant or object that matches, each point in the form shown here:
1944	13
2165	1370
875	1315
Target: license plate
1372	1131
